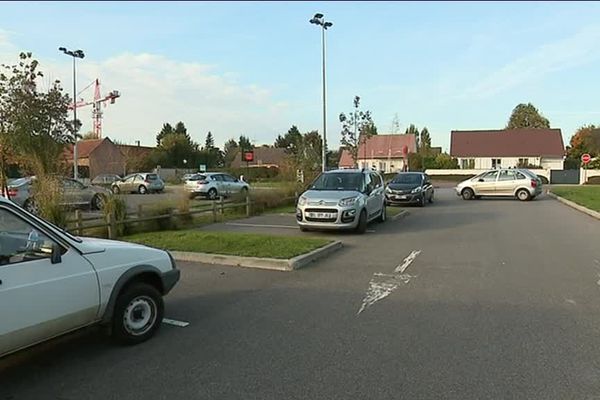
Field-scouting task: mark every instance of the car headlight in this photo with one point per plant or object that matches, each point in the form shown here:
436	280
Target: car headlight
349	201
416	190
388	190
302	201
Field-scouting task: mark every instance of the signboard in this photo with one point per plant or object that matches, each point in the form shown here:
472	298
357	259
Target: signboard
248	156
202	168
586	158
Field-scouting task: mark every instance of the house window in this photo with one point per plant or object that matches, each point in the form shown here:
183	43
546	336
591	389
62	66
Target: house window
467	163
523	162
496	163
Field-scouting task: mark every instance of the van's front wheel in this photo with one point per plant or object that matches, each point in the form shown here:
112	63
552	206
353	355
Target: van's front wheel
138	314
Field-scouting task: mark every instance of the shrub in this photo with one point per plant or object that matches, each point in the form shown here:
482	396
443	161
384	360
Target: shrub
48	196
116	205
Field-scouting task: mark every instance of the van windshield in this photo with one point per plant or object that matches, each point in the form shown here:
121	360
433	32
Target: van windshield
339	181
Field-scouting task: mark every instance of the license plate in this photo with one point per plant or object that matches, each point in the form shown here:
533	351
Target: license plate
400	197
320	215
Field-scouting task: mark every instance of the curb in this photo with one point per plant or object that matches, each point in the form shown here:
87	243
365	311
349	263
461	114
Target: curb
585	210
258	262
400	215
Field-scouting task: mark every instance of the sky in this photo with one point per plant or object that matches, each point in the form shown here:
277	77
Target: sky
254	68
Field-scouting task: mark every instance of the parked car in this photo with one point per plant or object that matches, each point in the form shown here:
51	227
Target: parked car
75	194
409	188
520	183
214	184
105	179
60	283
141	183
342	199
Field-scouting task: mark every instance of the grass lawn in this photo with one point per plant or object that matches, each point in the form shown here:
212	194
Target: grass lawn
587	196
289	209
236	244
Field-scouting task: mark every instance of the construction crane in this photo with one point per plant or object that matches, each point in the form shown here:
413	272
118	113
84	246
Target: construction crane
97	106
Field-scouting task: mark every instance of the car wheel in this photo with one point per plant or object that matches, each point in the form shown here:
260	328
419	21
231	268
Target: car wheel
142	189
138	314
431	198
98	202
31	206
212	194
422	202
467	194
383	216
116	190
244	192
523	195
362	222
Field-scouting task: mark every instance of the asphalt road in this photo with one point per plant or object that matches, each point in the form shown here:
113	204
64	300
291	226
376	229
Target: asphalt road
487	299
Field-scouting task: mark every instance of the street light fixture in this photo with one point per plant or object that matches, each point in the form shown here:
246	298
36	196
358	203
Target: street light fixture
318	19
74	54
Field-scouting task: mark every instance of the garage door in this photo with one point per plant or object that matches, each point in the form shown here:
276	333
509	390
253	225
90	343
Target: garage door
567	176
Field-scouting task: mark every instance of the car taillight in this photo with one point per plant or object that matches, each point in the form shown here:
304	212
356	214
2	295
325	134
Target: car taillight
533	183
202	183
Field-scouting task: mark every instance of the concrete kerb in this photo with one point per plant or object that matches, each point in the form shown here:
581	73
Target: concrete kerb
576	206
259	262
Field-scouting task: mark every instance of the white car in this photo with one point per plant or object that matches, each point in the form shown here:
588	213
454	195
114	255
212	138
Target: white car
52	283
213	185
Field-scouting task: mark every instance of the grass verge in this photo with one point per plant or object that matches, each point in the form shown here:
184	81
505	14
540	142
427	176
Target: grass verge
587	196
227	243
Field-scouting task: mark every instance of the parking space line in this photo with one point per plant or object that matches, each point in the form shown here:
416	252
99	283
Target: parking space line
174	322
260	225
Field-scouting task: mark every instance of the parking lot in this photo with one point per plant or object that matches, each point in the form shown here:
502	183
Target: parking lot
460	299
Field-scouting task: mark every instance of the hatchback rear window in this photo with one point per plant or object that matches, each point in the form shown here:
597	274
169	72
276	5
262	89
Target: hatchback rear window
197	178
151	177
19	181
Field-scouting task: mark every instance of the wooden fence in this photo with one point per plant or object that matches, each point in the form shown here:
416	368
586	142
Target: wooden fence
78	224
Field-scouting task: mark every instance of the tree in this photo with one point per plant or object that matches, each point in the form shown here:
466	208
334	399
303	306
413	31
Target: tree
244	143
357	127
34	126
527	116
290	141
445	161
585	140
425	144
413	130
230	151
209	143
166	130
181	129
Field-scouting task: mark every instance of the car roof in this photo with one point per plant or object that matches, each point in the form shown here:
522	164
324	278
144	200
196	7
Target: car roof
348	171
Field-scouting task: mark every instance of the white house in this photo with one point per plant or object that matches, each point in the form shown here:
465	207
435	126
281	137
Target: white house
543	148
384	153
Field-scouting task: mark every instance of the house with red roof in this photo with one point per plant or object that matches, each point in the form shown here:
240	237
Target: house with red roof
384	153
97	156
505	148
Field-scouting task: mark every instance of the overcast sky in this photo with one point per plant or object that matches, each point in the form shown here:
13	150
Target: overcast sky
254	68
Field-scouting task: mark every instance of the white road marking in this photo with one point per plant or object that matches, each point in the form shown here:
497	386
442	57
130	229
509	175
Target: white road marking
382	285
174	322
570	301
260	225
407	261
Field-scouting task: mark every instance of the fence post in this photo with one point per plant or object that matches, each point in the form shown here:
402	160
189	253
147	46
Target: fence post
247	206
112	226
139	212
214	210
78	222
222	205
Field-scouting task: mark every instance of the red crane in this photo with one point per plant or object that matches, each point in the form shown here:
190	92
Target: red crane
96	106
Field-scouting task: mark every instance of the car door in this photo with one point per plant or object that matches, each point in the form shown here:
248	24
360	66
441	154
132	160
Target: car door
220	184
427	187
71	192
41	296
506	183
486	184
372	195
233	186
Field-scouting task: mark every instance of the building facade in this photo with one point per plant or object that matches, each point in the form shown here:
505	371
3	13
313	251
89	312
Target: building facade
384	153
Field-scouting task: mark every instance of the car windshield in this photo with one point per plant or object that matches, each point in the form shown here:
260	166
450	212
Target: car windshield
408	179
339	181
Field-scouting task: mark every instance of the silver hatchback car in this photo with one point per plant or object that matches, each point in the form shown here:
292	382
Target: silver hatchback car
213	185
520	183
342	199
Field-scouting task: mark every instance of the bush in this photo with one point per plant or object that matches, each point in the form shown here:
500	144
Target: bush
116	205
48	196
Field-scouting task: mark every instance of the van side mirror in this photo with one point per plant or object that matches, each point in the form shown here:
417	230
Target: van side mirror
55	257
480	180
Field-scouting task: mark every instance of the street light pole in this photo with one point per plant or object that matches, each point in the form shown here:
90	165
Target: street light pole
74	54
319	20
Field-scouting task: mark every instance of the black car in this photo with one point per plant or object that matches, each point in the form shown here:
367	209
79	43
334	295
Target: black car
409	188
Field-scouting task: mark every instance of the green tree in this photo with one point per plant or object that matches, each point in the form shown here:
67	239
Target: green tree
527	116
230	151
445	161
181	129
585	140
209	143
413	130
290	141
425	145
244	143
166	130
357	128
34	125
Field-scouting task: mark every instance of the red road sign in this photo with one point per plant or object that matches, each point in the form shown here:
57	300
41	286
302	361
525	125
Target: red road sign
248	156
586	158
